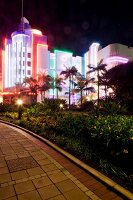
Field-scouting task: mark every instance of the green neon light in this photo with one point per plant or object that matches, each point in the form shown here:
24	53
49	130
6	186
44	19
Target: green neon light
62	51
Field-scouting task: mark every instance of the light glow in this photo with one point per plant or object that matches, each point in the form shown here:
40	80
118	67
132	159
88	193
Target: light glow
93	54
86	56
61	105
39	45
19	102
62	51
5	41
19	35
37	32
116	59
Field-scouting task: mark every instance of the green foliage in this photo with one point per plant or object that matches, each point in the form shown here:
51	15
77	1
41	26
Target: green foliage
53	104
103	139
8	107
111	107
11	115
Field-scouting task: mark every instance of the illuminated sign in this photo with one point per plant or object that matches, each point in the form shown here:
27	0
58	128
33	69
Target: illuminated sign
116	59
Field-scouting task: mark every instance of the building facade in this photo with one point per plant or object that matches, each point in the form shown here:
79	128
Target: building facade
26	54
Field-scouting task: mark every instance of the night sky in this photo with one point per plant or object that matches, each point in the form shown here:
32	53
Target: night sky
72	24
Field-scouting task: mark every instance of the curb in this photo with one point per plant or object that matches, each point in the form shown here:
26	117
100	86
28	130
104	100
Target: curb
81	164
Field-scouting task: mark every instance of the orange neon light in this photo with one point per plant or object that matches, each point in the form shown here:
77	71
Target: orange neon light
39	45
37	32
3	64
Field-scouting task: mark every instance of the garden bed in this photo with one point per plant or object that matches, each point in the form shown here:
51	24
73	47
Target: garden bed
103	142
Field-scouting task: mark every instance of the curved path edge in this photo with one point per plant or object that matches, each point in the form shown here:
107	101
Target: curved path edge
81	164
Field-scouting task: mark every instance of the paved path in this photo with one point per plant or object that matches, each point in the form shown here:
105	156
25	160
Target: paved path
31	170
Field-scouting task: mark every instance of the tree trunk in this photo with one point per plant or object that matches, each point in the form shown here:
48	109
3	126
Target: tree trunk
57	93
69	90
53	93
105	92
81	97
98	87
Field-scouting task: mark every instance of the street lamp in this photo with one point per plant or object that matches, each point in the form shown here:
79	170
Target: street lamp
61	106
19	103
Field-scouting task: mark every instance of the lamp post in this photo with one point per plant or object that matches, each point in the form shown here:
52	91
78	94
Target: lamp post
20	103
61	106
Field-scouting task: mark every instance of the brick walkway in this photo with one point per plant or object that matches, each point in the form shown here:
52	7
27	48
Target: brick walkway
31	170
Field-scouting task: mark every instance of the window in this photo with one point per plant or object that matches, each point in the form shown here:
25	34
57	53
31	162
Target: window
23	71
23	63
28	72
29	55
23	54
29	63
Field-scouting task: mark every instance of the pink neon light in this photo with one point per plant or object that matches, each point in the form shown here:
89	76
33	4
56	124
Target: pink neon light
32	53
37	32
116	59
38	45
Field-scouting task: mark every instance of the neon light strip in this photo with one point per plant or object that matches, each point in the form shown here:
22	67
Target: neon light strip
9	66
22	35
38	45
60	51
32	53
116	59
5	42
86	62
93	53
3	67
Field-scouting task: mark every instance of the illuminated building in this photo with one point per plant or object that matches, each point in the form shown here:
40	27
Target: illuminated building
26	54
110	55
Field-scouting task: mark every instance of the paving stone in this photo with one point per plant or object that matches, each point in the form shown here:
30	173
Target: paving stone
21	163
41	182
3	164
4	170
5	178
24	187
49	167
53	172
11	183
58	177
12	198
11	157
36	153
76	194
44	161
6	192
66	185
33	195
48	192
23	155
59	197
39	157
35	171
19	175
4	184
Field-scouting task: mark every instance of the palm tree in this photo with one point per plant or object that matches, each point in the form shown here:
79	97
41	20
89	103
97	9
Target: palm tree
44	83
69	73
81	85
100	69
31	86
57	83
